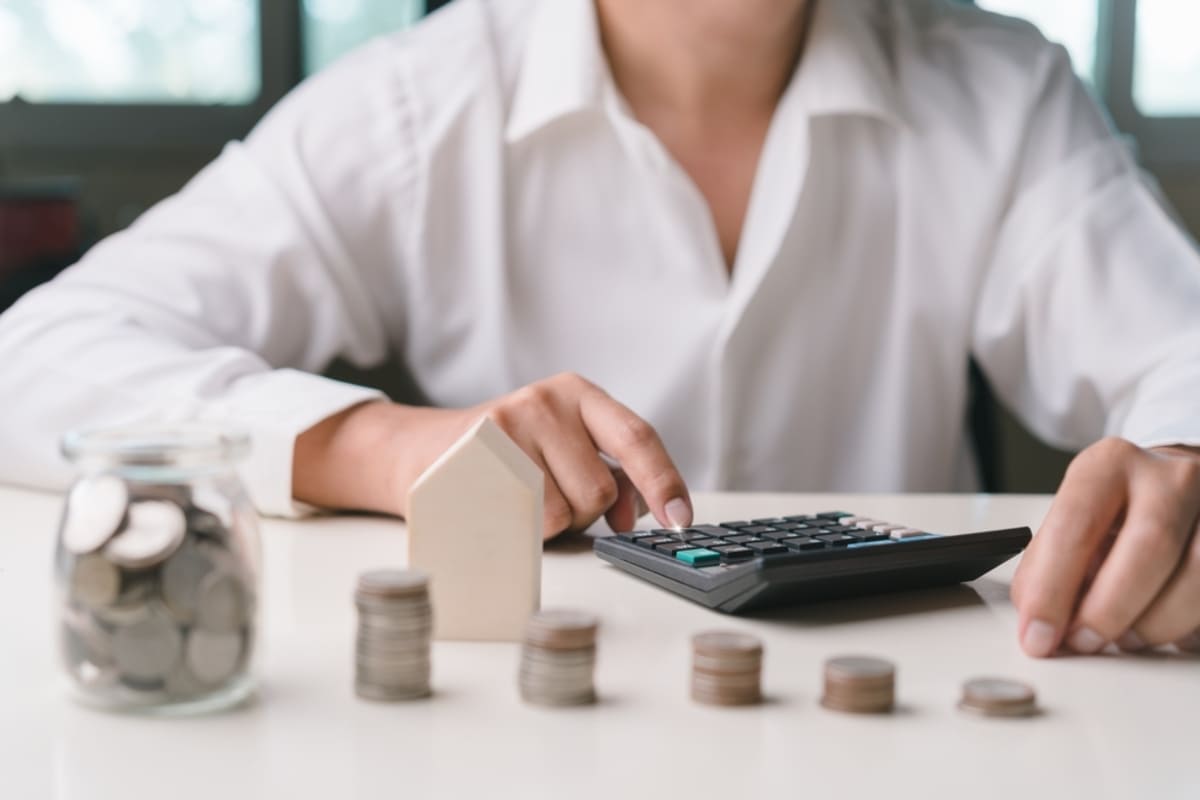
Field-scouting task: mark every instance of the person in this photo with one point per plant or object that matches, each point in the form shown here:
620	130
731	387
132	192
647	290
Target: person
770	233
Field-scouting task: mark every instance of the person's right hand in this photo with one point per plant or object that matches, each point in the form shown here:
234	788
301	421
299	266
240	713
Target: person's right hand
368	457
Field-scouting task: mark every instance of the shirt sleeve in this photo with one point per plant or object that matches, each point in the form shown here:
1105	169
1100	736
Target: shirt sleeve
1088	317
220	302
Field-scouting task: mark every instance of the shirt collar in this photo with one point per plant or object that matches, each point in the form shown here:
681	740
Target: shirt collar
846	69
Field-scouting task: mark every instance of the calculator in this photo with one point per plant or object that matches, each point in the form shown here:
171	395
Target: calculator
748	565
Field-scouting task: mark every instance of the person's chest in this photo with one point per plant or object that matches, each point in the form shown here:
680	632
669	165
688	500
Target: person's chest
589	250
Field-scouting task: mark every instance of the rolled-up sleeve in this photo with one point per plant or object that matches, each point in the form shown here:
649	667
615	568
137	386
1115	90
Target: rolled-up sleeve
218	303
1088	315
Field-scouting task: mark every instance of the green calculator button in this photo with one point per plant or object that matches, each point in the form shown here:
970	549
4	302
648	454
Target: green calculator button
700	557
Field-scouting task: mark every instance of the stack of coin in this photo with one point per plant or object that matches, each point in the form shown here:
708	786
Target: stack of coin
558	658
726	668
998	697
159	600
859	684
395	627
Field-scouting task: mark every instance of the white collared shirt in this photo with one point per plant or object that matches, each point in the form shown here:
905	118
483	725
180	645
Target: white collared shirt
474	197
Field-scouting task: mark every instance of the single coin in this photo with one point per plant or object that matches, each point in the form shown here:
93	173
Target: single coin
154	531
181	577
94	512
221	602
393	583
95	581
84	641
213	657
998	697
719	643
147	650
562	629
211	501
385	694
181	684
859	668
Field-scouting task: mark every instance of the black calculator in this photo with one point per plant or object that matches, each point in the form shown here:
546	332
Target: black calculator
780	561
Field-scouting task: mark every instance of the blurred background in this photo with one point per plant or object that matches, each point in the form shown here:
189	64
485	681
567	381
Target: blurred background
107	106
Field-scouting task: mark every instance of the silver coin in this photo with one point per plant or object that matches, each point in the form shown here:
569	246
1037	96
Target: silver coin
392	583
84	641
149	649
723	643
154	531
95	581
181	577
222	602
181	684
859	668
213	657
94	512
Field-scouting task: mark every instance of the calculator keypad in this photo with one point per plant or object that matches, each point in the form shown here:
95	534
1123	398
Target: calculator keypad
740	541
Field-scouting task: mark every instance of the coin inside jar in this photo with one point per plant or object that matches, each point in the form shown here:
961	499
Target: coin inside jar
149	649
221	602
94	512
181	578
155	530
95	582
213	657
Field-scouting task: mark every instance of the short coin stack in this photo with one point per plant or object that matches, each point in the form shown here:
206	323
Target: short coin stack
159	605
558	659
726	668
859	684
395	626
998	697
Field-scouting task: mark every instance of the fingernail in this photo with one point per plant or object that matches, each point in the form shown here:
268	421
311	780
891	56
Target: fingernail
1086	640
679	513
1040	639
1131	642
1190	644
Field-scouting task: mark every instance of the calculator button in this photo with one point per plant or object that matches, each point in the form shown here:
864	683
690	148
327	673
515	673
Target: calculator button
767	548
806	518
671	548
690	536
734	552
708	531
788	526
838	528
698	557
708	542
866	536
906	533
758	529
742	539
805	543
652	541
736	525
779	535
768	520
815	532
834	514
886	527
837	539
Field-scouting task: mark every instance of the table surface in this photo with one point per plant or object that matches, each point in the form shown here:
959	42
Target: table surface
1114	726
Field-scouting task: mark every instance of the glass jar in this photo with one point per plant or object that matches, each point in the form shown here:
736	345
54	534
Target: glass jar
156	568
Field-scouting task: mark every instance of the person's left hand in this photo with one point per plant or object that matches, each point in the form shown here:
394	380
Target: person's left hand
1118	556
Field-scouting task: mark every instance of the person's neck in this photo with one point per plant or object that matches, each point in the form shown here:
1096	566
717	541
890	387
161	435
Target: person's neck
703	58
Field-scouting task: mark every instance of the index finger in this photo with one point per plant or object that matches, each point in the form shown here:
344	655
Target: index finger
1052	572
635	445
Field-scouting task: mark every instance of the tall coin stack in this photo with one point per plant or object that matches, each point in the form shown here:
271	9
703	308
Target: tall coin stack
859	684
726	668
558	659
395	626
159	598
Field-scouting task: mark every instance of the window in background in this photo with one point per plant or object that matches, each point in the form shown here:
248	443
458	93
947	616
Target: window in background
333	27
1166	72
204	52
1071	23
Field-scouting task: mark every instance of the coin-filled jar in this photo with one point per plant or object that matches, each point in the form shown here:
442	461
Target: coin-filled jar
156	568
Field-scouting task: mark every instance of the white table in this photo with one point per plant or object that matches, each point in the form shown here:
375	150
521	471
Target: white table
1114	727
